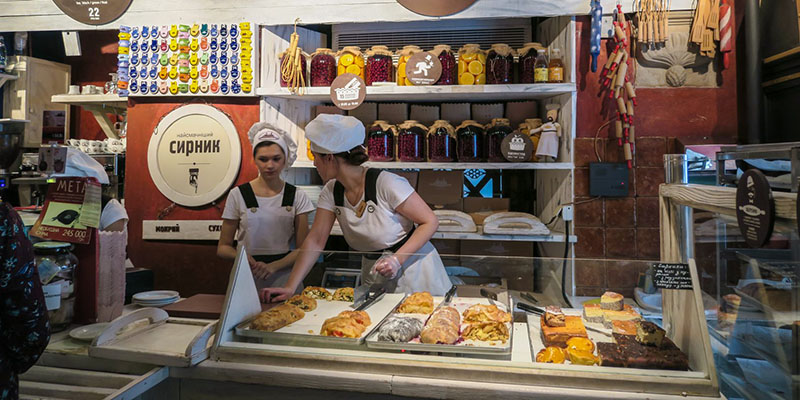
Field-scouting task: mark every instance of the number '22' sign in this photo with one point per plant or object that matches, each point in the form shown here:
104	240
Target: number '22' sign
93	12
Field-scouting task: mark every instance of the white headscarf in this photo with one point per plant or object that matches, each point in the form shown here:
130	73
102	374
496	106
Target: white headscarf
263	132
80	164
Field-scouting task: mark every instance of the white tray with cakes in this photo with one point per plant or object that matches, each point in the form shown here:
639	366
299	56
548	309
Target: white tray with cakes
465	326
319	317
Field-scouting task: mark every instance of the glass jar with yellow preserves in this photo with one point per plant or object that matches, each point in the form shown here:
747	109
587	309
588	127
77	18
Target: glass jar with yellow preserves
471	65
351	61
404	55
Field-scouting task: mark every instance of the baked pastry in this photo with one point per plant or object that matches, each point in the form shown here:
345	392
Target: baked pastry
487	331
277	317
725	320
626	314
553	316
400	329
579	343
627	352
730	303
442	327
359	316
316	292
485	313
550	354
343	294
417	303
581	357
593	313
611	301
648	333
558	335
610	355
342	326
624	327
304	302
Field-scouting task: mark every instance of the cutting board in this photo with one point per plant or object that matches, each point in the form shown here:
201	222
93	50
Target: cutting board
204	306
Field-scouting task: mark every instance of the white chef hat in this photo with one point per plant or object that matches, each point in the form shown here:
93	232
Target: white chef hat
334	133
79	164
263	132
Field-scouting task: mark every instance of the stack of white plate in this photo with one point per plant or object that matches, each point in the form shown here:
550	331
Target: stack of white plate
155	298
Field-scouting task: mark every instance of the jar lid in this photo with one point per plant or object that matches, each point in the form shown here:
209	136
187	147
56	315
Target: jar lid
470	48
384	125
380	50
444	124
51	247
354	50
409	50
439	48
498	122
502	49
469	122
412	123
323	50
528	47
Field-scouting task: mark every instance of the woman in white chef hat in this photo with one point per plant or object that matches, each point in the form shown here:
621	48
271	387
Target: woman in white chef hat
377	211
267	212
113	216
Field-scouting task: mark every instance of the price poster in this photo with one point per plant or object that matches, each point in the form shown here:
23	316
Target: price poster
61	219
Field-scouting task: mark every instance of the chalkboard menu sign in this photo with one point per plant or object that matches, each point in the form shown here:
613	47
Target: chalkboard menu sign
672	276
755	210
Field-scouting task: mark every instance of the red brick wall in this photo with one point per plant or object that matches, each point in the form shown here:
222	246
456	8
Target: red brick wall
624	229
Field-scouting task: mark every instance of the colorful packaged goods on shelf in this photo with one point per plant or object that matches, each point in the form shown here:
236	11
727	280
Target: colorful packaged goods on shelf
381	141
411	141
183	59
323	67
449	66
471	65
379	65
441	142
351	61
500	64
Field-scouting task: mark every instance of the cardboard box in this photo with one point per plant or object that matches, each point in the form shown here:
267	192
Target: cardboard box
394	113
426	115
455	113
411	177
327	110
442	189
367	113
518	111
483	113
479	207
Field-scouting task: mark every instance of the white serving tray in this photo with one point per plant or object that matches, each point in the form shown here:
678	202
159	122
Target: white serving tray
155	338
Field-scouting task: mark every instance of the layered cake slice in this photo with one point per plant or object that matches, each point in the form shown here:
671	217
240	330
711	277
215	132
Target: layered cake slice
593	313
626	314
558	335
611	301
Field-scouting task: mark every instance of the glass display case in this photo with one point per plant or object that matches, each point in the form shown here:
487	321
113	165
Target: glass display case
751	296
509	322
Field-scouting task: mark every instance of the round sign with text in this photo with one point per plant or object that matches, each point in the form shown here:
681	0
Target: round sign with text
194	155
517	147
348	91
93	12
423	69
436	8
755	209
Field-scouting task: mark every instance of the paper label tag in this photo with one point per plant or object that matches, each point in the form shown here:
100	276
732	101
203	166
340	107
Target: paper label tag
540	75
52	296
92	203
672	276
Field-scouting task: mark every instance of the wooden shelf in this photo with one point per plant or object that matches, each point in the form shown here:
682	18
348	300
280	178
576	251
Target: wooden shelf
437	93
6	77
452	165
13	121
100	105
552	237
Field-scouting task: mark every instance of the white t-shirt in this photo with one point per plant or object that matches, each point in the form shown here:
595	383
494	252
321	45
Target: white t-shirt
112	212
270	229
381	228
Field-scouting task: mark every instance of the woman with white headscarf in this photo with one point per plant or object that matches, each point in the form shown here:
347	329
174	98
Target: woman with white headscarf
266	214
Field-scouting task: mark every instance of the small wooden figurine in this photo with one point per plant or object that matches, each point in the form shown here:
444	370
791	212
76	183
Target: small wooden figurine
547	149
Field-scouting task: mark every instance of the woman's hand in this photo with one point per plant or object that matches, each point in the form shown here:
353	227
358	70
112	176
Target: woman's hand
388	266
275	295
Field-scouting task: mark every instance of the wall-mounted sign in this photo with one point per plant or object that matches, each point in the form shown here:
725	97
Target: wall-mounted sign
62	216
755	210
436	8
181	229
93	12
423	69
194	155
348	91
672	276
517	147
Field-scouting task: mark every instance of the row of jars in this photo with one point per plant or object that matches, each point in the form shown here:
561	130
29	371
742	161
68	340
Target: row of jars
474	67
441	142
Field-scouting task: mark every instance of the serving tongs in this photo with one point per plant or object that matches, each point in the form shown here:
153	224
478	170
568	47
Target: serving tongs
448	299
365	296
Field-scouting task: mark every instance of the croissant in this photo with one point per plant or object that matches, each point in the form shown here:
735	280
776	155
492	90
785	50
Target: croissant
487	331
419	303
485	313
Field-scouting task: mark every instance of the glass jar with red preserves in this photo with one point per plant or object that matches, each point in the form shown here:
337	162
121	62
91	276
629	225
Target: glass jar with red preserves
527	60
500	64
304	81
496	131
471	141
403	55
380	141
379	65
411	141
449	66
441	142
323	67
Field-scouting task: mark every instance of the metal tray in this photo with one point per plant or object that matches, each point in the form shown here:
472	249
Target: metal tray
464	347
305	332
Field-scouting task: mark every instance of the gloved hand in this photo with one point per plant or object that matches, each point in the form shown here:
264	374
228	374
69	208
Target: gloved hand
388	266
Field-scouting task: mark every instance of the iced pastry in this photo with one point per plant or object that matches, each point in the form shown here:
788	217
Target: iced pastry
442	327
400	329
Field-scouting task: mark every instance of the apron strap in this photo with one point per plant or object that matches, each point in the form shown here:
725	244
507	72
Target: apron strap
289	191
247	194
370	188
393	248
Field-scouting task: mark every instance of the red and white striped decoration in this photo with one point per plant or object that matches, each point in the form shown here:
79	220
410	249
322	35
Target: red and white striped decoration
726	32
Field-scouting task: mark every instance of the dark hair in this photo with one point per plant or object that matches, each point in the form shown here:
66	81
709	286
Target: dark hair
356	156
265	143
